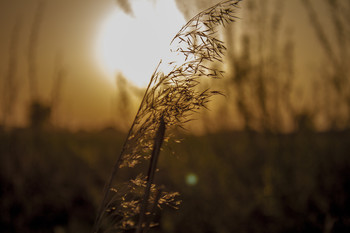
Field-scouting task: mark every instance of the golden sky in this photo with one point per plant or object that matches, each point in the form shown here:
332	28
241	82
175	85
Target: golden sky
71	30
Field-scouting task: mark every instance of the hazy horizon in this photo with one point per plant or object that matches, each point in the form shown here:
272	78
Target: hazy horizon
69	30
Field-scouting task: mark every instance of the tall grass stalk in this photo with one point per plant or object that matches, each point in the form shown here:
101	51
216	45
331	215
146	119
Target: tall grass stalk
171	97
32	49
10	84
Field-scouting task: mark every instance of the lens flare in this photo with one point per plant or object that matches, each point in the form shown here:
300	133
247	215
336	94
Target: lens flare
191	179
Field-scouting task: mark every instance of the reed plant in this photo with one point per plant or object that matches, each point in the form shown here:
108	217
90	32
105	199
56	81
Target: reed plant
172	96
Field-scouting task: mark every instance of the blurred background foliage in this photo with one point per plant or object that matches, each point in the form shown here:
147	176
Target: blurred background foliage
273	156
241	181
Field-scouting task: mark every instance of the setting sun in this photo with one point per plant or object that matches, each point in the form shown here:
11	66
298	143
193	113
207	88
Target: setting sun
133	44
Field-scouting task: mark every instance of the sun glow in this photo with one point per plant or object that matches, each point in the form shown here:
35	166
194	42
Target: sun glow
134	44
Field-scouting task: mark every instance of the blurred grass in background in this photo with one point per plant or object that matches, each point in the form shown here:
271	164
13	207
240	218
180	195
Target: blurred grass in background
273	156
245	182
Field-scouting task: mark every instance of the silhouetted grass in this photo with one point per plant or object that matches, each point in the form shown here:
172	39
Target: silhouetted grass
171	97
246	181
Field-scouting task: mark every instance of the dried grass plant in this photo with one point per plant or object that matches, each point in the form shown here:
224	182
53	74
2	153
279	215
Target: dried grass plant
170	99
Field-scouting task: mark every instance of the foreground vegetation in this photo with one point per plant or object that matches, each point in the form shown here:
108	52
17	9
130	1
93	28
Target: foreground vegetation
289	177
51	181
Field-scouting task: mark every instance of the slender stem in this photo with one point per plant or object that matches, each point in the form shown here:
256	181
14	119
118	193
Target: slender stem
158	140
153	210
108	184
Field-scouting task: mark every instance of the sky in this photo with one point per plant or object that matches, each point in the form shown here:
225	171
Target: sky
71	29
68	28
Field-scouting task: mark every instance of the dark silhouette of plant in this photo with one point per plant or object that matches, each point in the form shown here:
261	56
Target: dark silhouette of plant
39	115
171	97
32	49
11	84
261	71
59	76
335	42
124	102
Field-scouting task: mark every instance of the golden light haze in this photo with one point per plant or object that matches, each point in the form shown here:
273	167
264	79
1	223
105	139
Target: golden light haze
80	38
134	43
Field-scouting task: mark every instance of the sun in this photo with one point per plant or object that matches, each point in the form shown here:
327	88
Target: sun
134	44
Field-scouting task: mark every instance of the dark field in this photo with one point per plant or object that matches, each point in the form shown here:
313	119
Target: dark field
52	181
